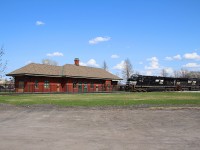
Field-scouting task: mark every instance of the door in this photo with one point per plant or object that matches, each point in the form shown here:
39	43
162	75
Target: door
21	86
97	88
79	87
58	87
85	87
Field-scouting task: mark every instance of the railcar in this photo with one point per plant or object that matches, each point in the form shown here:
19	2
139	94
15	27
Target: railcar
142	83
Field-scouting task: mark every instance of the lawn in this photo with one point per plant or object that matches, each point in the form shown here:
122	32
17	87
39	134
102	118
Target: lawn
106	99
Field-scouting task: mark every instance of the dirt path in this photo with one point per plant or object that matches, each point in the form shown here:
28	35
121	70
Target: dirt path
23	128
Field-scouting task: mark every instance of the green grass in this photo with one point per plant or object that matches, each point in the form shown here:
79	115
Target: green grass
114	99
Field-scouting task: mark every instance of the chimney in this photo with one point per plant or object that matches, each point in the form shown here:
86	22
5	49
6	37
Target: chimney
76	61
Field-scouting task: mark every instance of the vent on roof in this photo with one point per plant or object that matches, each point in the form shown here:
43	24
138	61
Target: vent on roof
76	61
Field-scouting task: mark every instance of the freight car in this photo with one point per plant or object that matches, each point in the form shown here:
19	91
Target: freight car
142	83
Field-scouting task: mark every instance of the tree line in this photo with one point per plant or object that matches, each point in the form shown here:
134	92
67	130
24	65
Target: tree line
127	68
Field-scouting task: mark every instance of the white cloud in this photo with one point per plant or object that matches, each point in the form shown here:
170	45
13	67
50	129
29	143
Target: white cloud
55	54
193	56
39	23
153	63
82	64
91	63
192	65
169	70
168	58
176	57
29	62
98	40
119	66
114	56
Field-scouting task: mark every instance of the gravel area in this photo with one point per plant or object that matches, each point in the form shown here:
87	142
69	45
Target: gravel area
50	128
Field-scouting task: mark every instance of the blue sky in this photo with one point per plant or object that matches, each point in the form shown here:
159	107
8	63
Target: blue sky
152	34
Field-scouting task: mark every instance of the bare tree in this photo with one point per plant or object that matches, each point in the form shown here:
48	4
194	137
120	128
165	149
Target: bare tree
184	73
137	72
127	70
49	62
164	73
105	66
193	74
177	74
3	64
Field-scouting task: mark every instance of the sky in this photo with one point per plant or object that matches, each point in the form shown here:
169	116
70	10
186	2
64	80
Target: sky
152	34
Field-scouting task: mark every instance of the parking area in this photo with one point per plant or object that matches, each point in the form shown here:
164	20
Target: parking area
50	128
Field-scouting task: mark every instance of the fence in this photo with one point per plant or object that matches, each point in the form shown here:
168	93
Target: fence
55	88
7	88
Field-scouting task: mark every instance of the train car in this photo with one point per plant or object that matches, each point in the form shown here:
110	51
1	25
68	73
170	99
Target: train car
142	83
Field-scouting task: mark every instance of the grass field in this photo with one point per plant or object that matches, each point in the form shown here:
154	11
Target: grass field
114	99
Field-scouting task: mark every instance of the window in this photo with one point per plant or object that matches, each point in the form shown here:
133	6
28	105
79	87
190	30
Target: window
21	84
161	82
74	84
92	85
194	82
36	83
46	84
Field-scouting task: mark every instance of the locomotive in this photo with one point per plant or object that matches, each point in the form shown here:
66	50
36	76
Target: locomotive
143	83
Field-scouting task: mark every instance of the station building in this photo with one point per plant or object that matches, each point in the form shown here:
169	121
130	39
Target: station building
71	78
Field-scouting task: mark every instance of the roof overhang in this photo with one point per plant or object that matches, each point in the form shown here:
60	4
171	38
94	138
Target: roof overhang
57	76
92	78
